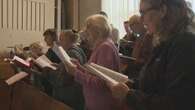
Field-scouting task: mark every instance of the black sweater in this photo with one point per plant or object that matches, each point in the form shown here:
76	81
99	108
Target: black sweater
167	82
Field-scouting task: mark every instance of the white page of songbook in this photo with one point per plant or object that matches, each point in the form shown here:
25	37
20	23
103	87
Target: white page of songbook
100	74
113	74
21	61
61	53
43	61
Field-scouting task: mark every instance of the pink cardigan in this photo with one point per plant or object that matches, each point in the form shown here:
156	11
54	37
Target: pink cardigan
96	92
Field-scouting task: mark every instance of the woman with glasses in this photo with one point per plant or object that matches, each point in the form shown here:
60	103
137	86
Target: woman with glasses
167	82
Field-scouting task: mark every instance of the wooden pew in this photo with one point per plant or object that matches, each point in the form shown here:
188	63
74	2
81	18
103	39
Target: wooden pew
6	69
5	96
22	96
26	97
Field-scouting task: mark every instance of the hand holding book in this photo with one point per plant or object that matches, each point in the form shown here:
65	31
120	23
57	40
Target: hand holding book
120	91
43	61
110	81
65	58
71	68
61	53
119	77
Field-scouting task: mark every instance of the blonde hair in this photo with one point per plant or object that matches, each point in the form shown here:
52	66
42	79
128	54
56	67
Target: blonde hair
36	45
134	19
99	25
72	35
36	49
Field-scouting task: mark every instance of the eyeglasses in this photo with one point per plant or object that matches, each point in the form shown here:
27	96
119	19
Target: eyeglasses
135	34
143	13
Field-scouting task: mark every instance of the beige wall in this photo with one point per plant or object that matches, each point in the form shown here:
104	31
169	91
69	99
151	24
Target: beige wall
87	8
25	25
23	22
76	11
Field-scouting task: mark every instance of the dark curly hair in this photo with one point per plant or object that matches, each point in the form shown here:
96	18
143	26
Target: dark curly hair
177	18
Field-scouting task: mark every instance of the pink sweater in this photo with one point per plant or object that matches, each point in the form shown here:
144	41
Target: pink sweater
96	92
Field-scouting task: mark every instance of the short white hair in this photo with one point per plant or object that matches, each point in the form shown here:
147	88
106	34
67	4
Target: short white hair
99	25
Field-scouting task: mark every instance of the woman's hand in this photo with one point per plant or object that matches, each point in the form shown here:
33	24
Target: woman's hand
120	91
71	68
55	65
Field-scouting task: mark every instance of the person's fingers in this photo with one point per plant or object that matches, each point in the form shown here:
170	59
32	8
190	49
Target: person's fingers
75	61
55	64
120	91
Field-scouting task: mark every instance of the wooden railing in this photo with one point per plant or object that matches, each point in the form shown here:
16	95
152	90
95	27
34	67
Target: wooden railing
22	96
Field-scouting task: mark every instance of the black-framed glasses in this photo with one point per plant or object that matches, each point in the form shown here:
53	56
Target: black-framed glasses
135	34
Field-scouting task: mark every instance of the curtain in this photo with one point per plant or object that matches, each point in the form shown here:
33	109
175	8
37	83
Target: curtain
191	3
119	11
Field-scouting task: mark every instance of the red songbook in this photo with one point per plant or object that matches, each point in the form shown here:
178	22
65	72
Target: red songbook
21	62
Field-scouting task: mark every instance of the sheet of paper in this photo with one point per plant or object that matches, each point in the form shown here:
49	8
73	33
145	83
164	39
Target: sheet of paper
111	73
43	61
61	53
16	77
100	74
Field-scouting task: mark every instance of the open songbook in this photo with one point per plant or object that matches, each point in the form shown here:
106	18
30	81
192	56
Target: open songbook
16	78
109	75
43	61
61	53
21	61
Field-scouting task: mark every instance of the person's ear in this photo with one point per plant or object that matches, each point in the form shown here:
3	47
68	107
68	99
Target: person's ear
163	11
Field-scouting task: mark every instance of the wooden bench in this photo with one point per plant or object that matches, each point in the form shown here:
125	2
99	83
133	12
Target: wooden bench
22	96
